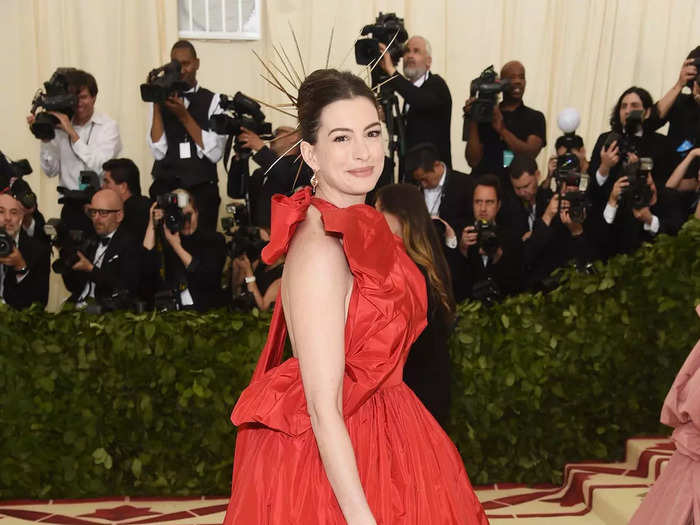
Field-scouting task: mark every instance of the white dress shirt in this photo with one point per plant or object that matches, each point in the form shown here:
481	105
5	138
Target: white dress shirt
99	141
89	290
213	143
433	196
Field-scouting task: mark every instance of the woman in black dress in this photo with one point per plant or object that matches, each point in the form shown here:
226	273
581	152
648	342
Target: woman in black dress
427	369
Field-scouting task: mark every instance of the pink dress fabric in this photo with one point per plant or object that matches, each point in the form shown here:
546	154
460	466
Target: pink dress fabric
675	497
411	472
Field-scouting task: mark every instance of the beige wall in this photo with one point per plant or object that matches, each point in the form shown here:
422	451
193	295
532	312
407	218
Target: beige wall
580	53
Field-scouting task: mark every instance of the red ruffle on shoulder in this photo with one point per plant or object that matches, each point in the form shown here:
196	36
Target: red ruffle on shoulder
375	339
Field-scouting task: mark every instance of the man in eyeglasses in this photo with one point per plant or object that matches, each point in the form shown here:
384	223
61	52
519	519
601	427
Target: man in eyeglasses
111	265
24	264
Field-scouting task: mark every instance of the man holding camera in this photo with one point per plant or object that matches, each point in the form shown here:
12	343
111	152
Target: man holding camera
552	227
83	143
24	261
447	192
634	214
488	265
427	101
111	265
185	150
682	110
183	263
122	176
515	129
280	171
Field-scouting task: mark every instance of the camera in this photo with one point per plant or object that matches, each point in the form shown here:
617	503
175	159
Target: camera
119	300
486	236
627	141
172	205
245	239
486	291
567	175
638	193
55	97
163	82
245	113
89	184
485	88
385	27
167	300
69	243
7	243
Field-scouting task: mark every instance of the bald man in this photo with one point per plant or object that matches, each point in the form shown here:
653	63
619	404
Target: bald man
516	129
111	264
427	106
263	184
24	270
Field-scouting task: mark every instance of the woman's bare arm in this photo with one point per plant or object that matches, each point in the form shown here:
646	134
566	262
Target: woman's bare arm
316	284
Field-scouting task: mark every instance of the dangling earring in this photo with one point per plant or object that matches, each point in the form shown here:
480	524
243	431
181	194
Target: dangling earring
314	183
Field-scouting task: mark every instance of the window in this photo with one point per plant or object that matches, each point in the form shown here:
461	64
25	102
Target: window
219	19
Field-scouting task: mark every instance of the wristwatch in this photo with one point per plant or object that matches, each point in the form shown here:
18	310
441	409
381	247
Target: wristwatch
249	280
22	270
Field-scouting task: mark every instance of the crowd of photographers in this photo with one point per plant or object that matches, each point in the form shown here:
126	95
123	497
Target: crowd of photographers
505	226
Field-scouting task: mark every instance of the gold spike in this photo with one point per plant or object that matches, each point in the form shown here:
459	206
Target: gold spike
289	72
296	177
330	43
271	106
283	154
378	86
292	66
283	75
285	134
279	86
296	43
269	71
385	50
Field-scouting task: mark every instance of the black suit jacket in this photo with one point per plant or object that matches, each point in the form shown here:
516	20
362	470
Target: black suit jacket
120	269
136	209
429	113
34	287
470	270
456	203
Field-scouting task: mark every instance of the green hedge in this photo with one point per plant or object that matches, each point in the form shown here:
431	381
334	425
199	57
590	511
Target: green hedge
140	404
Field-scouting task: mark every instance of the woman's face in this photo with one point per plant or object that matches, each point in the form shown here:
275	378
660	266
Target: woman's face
348	156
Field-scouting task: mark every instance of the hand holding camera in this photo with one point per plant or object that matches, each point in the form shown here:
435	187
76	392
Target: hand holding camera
83	265
9	253
468	239
689	72
618	188
250	140
609	157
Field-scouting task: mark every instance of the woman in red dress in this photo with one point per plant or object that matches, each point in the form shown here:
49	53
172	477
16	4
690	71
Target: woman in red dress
333	435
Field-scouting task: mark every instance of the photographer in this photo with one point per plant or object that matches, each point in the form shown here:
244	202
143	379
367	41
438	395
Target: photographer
122	176
185	151
427	101
553	234
84	142
627	142
109	266
633	217
24	261
183	263
681	204
514	129
266	180
12	182
254	283
681	110
489	264
447	192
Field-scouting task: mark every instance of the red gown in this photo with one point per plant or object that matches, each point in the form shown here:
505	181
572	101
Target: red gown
410	470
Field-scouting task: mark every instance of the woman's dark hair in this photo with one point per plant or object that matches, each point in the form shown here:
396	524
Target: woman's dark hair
323	87
421	241
647	102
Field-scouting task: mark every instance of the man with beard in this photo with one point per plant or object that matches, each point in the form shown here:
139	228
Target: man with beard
185	150
516	129
427	105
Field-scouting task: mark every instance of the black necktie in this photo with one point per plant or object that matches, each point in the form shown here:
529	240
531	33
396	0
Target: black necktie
189	95
104	240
